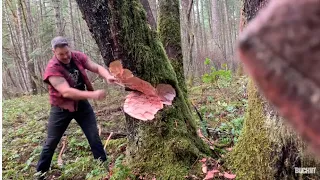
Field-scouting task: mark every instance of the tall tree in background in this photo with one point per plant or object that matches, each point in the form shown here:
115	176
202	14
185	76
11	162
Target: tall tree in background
14	51
150	15
72	22
28	27
168	146
24	49
187	37
58	19
201	31
242	24
32	44
170	36
154	8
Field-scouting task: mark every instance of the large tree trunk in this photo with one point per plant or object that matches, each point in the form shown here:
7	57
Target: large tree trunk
267	147
167	146
170	36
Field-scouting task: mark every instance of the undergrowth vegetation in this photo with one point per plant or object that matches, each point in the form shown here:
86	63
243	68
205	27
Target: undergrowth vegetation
24	131
220	100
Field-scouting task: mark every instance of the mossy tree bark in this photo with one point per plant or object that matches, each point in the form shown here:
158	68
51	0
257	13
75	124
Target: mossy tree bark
170	35
267	148
168	146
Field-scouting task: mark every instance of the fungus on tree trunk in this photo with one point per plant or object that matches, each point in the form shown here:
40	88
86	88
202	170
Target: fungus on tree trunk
145	101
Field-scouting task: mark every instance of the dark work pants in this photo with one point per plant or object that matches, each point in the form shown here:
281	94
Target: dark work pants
58	122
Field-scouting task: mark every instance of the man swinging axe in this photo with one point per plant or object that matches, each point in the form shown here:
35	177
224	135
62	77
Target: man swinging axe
69	91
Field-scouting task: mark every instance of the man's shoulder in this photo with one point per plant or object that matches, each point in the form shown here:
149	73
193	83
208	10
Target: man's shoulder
53	63
79	56
53	68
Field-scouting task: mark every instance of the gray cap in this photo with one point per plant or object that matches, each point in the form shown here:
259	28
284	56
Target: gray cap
59	41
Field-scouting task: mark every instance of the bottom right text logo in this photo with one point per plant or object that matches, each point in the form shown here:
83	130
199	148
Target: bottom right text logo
304	170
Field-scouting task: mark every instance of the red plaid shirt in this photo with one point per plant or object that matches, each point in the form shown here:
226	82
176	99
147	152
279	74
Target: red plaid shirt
55	68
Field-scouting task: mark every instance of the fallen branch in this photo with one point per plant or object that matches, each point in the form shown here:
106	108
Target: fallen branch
100	129
64	142
201	119
114	136
43	118
108	111
105	145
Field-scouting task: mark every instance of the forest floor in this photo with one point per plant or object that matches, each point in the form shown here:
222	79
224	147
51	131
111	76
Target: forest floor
221	106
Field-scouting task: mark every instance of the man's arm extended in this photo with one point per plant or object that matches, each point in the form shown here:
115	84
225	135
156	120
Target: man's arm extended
96	68
61	85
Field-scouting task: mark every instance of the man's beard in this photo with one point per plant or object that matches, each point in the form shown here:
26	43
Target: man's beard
66	61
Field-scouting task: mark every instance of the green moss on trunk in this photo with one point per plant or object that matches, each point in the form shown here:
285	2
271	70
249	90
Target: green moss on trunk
170	36
268	148
251	158
169	145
